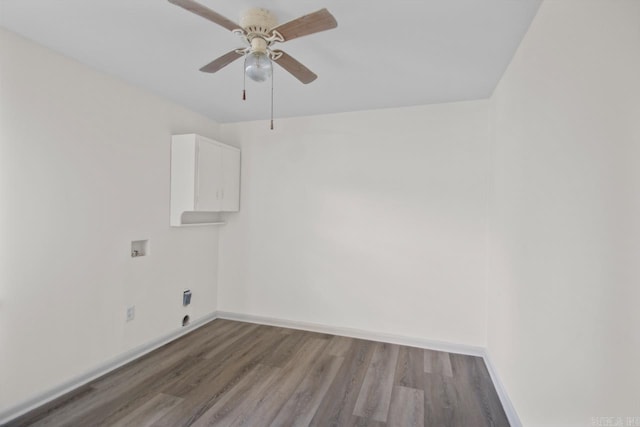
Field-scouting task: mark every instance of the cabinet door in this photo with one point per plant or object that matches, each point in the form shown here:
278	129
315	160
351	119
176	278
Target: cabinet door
230	180
209	177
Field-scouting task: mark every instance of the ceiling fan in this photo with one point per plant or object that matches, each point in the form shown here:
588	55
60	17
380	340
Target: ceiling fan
259	29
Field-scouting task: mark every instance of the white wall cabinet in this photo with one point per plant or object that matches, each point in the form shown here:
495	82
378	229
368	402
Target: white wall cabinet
205	179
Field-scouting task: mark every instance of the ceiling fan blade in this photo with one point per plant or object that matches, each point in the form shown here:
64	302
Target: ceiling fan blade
308	24
221	62
206	13
294	67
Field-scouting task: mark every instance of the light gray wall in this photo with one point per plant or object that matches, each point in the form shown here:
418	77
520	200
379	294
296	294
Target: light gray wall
565	255
84	169
373	220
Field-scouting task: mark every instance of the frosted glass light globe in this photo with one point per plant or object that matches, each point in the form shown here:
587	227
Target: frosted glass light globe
257	66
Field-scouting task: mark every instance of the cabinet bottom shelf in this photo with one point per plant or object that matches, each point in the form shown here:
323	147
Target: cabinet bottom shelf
197	219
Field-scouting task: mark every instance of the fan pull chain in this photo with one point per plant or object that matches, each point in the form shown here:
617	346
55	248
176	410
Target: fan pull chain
244	85
271	99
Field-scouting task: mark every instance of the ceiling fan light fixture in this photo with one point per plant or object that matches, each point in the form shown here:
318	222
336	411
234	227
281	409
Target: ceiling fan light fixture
258	66
259	29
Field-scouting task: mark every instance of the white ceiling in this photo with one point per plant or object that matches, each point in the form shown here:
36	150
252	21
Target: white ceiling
383	53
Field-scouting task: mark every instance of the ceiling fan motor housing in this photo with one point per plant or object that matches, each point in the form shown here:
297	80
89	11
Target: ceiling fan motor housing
260	29
258	23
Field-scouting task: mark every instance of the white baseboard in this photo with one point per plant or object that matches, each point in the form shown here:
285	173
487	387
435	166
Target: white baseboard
114	363
357	333
139	351
507	405
509	409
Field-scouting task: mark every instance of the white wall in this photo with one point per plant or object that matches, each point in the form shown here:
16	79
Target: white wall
565	259
84	169
371	220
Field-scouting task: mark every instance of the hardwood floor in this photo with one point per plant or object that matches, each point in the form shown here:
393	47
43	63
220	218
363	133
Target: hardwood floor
230	373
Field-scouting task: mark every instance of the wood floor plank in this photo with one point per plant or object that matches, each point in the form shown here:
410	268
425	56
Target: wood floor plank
283	386
98	405
468	408
410	368
53	407
150	412
159	359
365	422
317	335
284	351
141	369
488	395
213	340
62	414
437	362
336	408
121	401
440	402
476	395
339	346
304	402
218	381
166	355
239	349
230	341
231	405
375	393
406	408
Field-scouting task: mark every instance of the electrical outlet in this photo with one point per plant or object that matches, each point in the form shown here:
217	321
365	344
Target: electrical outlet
131	313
